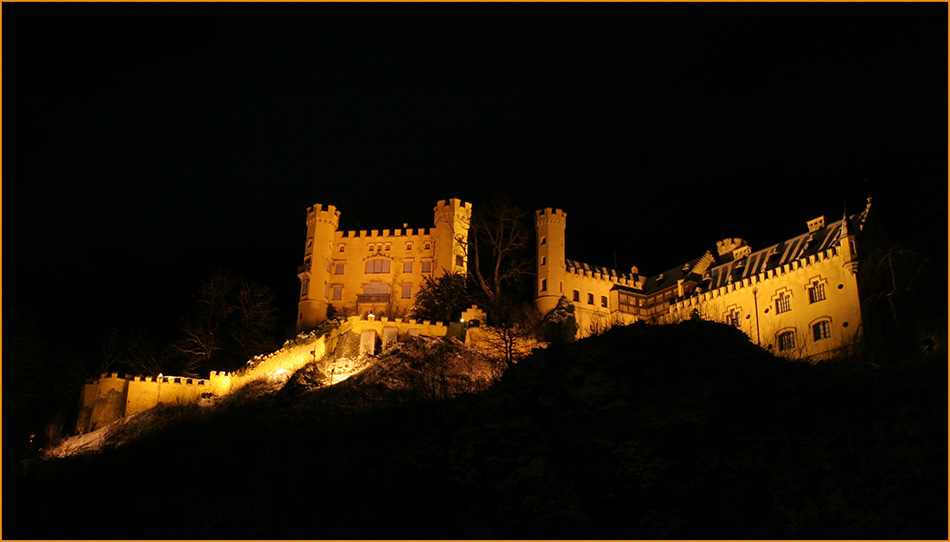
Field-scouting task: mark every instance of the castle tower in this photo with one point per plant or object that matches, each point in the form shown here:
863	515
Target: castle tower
551	265
847	244
452	221
314	274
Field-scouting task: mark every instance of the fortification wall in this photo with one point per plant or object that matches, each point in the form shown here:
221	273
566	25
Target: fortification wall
114	396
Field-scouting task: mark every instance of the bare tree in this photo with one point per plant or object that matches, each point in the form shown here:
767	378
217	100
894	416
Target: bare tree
500	242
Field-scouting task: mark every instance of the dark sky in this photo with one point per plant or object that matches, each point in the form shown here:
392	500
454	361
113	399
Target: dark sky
146	144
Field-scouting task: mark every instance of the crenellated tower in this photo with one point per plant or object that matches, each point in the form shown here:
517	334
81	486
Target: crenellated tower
452	221
551	265
314	273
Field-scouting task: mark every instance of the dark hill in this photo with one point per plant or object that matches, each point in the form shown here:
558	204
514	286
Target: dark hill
685	431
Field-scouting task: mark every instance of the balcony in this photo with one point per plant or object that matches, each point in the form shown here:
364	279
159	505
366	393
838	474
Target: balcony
372	298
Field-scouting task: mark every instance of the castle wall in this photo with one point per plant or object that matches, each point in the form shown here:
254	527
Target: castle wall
755	300
112	397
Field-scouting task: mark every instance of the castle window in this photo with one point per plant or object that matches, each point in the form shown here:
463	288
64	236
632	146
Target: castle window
816	293
326	290
786	340
544	240
544	260
783	304
406	291
590	299
309	242
544	284
338	270
337	290
732	318
377	266
428	246
577	295
388	246
407	267
342	247
459	260
304	286
408	246
426	267
821	330
603	301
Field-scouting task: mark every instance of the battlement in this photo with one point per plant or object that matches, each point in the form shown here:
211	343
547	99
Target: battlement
452	205
581	269
330	215
550	215
400	233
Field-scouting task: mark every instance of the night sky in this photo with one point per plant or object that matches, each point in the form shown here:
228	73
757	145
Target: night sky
147	144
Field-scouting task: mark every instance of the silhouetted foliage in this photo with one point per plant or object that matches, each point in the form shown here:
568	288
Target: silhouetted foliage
442	299
679	431
233	321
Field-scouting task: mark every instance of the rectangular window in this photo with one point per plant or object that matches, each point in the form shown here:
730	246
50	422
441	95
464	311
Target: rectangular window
816	293
428	246
603	301
783	304
544	284
459	260
577	295
406	291
544	240
544	260
733	318
408	246
338	270
377	266
304	286
407	267
337	292
326	289
426	267
821	330
342	247
590	299
786	340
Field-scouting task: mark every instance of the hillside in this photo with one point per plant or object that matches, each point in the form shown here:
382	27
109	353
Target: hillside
685	431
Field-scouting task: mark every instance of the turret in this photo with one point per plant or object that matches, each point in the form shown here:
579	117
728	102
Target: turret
314	273
550	225
450	237
847	244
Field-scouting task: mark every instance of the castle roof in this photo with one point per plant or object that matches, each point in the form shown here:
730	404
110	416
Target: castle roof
770	257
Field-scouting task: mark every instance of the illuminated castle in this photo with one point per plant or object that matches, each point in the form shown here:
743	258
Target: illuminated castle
797	298
375	272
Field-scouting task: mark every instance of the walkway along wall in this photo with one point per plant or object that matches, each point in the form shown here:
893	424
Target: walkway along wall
114	396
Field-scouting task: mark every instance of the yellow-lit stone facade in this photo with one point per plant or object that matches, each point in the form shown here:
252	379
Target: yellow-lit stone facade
376	272
798	298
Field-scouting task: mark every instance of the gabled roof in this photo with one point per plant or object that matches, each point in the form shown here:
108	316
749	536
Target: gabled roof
765	259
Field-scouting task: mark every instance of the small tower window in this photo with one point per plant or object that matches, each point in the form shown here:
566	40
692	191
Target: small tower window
544	284
577	296
590	299
408	246
603	301
544	260
544	240
428	246
342	247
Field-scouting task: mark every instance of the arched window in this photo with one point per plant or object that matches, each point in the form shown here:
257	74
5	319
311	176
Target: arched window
377	266
786	340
